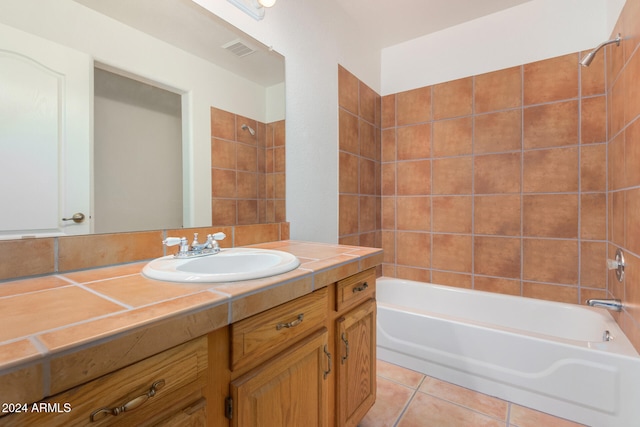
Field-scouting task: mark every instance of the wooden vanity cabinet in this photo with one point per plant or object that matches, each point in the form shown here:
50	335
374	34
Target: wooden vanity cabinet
280	362
165	389
308	362
355	344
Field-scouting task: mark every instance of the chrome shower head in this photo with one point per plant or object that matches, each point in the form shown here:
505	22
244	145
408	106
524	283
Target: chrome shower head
586	61
249	128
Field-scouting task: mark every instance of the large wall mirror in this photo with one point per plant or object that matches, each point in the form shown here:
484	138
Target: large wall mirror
58	61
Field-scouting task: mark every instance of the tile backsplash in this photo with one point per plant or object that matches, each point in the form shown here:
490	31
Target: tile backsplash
33	257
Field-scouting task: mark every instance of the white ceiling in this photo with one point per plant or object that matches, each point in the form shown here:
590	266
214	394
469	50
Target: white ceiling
189	27
394	21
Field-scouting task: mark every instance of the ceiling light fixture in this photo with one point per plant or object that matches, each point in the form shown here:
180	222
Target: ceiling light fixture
253	8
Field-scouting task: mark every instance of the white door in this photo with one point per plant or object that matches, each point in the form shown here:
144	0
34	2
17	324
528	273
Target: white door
45	136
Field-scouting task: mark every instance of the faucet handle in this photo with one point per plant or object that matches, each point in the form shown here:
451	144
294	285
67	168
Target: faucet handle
172	241
218	236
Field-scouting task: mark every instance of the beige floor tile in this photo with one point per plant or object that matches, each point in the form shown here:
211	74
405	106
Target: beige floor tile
399	374
425	410
491	406
391	400
525	417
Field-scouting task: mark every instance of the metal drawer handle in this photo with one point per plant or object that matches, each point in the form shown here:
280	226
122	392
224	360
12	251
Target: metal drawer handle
346	344
360	288
130	405
326	351
291	324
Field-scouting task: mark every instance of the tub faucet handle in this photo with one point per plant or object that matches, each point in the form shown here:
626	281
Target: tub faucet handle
617	264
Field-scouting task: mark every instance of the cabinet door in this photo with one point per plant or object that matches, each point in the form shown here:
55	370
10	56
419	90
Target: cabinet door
288	390
356	364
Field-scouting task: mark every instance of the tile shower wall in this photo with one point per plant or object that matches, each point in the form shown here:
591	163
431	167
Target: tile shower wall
497	182
248	171
623	112
359	164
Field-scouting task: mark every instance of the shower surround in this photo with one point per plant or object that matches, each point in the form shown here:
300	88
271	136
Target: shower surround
519	181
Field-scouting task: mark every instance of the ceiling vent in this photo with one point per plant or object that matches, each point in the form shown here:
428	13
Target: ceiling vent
238	48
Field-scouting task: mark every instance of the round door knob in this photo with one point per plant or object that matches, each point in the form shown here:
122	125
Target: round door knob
77	218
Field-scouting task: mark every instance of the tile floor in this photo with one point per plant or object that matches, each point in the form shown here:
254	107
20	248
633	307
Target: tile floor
407	398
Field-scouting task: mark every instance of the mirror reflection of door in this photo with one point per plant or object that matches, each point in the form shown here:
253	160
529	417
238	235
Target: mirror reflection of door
45	139
137	155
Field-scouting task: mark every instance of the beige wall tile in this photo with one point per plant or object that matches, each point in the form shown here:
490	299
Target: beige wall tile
551	80
413	106
494	284
497	215
458	280
368	99
632	154
497	256
568	294
223	124
550	215
498	90
388	111
413	249
452	214
550	260
349	127
414	177
388	145
348	85
632	220
498	132
551	125
453	98
414	142
593	265
413	213
26	257
592	77
453	175
593	167
497	173
593	216
550	171
107	249
349	177
593	120
452	252
453	137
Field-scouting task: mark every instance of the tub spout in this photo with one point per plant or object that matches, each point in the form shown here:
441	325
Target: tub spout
609	304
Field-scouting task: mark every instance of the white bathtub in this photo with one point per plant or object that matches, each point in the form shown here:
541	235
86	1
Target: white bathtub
544	355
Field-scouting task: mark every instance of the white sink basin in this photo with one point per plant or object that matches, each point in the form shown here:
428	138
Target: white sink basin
229	265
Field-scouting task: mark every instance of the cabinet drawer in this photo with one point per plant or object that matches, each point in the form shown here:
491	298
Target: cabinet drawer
259	337
355	289
153	388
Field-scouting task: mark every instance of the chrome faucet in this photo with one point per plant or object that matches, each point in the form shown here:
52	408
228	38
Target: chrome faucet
609	304
196	249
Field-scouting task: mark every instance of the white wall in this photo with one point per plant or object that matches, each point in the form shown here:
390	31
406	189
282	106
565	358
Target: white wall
536	30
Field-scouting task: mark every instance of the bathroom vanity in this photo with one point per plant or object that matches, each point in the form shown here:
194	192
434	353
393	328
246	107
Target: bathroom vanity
293	349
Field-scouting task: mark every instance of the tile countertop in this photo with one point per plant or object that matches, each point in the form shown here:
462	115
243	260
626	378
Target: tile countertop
62	330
